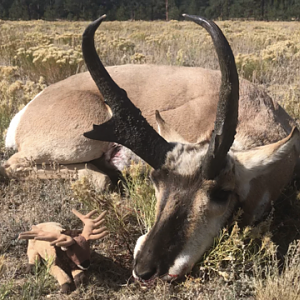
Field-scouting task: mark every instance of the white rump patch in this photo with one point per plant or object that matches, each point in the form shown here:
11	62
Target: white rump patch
10	139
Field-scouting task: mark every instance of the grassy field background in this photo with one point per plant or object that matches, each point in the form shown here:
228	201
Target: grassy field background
261	262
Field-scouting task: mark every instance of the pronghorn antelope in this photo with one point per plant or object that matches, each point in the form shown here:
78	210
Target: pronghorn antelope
198	185
48	131
68	251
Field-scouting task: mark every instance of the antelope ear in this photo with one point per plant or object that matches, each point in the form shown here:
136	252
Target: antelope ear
261	173
166	131
259	161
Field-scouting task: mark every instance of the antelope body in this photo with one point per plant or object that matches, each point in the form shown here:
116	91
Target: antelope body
67	252
49	129
224	143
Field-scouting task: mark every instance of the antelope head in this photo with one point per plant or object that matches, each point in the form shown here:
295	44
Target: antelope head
196	185
77	248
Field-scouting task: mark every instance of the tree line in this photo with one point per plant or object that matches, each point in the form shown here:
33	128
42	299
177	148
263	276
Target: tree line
149	9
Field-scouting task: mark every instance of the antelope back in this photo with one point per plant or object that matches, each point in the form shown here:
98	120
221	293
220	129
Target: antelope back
53	132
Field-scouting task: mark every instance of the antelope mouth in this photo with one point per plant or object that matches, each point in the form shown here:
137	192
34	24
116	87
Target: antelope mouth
145	282
154	278
176	272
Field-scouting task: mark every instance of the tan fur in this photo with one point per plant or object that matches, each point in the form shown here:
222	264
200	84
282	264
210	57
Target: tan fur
263	172
165	130
37	249
42	249
52	126
66	251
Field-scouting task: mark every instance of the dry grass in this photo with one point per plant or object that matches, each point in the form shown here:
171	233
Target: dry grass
241	264
249	263
282	285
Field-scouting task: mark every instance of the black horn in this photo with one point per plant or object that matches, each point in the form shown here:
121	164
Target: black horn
227	110
127	126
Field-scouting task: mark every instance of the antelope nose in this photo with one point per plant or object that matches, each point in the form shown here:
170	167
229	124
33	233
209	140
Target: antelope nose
146	274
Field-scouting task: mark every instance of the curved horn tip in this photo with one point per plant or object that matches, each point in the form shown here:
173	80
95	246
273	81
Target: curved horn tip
92	27
190	17
194	17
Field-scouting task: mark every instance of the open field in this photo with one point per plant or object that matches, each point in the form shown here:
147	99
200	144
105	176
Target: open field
262	262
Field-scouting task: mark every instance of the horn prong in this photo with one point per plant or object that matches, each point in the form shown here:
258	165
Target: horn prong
127	126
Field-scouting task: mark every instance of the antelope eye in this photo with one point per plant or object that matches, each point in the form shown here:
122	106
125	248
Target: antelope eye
219	195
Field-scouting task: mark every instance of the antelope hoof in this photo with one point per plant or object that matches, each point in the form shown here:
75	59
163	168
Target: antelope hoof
80	279
66	288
